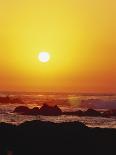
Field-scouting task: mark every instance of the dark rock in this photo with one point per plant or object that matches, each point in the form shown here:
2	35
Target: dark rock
92	112
44	110
37	137
34	111
50	111
22	110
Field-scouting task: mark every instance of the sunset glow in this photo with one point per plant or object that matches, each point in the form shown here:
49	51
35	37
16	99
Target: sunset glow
81	38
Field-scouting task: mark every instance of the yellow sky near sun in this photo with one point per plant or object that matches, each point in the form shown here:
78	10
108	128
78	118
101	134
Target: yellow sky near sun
80	35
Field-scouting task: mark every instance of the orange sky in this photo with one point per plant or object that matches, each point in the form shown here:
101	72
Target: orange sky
79	34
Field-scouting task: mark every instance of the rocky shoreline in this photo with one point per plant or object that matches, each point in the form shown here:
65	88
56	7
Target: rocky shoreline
37	137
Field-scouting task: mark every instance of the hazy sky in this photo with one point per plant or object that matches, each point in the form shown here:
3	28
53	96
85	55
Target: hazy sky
80	35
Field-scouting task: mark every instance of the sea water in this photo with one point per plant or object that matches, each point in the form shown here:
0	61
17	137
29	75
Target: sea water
66	101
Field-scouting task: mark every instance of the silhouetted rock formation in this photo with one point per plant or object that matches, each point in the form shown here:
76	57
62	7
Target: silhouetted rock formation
47	110
36	137
7	99
22	110
44	110
50	111
89	112
92	112
34	111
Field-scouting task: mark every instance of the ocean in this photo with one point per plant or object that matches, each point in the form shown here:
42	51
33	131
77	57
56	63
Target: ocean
66	101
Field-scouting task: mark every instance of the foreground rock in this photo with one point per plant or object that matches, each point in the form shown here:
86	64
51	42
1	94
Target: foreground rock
36	137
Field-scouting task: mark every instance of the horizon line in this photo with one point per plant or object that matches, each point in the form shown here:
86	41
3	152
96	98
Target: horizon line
60	92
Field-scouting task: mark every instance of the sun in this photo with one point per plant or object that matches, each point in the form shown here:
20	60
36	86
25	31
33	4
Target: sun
44	57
